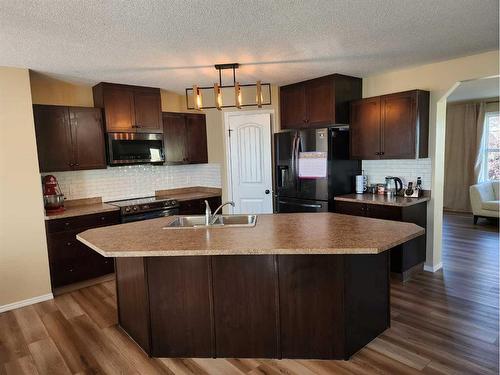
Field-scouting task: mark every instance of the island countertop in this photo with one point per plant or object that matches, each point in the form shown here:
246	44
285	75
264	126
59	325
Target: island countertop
294	233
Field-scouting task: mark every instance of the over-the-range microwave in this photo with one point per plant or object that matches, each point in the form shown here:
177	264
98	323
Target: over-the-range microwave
134	148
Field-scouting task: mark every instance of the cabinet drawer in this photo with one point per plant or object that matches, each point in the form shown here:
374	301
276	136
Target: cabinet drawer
83	222
350	208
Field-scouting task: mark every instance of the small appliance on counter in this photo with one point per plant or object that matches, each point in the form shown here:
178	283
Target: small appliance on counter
413	190
361	183
393	185
53	198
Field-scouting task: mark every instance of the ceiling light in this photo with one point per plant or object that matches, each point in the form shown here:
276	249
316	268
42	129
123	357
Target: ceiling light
241	92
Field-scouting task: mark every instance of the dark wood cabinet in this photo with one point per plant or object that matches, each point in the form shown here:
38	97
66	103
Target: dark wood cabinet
70	260
394	126
365	128
197	206
318	102
196	139
293	106
406	258
69	138
129	108
185	138
254	306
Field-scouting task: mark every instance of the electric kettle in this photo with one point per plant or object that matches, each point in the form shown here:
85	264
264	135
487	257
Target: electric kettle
393	185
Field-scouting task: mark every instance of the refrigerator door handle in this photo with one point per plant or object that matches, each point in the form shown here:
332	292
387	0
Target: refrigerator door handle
301	204
294	145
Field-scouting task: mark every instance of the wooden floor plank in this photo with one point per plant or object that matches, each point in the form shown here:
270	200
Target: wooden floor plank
47	358
21	366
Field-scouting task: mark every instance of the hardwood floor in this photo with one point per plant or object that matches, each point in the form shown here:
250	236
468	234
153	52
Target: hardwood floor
442	323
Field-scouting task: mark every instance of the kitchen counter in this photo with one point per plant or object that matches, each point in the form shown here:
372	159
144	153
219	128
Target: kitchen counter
382	199
190	193
79	207
298	285
297	233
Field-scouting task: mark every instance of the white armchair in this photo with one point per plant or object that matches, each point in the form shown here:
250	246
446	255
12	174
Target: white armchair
485	199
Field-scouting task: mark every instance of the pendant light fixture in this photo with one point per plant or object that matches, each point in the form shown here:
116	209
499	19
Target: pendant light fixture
259	97
194	94
198	103
218	96
237	95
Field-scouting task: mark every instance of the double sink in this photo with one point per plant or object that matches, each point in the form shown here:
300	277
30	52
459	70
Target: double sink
220	221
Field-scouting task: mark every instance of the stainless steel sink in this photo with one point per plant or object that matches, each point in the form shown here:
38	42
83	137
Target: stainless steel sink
221	221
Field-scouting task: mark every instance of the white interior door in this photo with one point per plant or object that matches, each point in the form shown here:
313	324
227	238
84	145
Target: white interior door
250	162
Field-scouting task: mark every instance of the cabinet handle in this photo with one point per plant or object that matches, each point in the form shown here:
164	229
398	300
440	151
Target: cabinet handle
68	243
77	165
377	153
382	153
103	218
67	224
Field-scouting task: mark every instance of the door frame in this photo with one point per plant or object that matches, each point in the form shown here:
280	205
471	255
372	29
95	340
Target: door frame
227	142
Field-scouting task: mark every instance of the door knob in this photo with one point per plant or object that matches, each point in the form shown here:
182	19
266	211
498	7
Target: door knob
267	191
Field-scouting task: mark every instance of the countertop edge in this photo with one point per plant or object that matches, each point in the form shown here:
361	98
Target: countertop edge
215	252
395	204
67	214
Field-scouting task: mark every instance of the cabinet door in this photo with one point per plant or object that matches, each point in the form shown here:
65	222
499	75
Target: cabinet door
350	208
147	105
398	125
119	109
53	138
174	138
293	106
319	102
196	139
88	138
365	129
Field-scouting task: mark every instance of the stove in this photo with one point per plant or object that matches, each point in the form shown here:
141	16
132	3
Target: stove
146	208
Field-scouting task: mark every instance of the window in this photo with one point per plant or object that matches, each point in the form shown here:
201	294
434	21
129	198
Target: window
491	146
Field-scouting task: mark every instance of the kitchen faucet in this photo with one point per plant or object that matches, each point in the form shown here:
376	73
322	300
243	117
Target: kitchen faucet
209	217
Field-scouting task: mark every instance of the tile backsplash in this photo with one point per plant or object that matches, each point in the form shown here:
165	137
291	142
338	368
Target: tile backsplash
407	170
135	181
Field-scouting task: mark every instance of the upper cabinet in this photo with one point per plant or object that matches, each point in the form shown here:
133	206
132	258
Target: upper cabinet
185	138
129	108
318	102
69	138
394	126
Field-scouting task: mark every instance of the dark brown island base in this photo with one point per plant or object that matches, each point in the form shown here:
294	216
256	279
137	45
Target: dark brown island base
294	286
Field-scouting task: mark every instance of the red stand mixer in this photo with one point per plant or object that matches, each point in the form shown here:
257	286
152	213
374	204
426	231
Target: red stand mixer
53	199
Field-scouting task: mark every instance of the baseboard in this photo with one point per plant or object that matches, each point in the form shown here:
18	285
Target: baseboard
26	302
435	268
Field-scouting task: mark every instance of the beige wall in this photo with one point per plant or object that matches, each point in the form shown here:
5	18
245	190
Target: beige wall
49	90
440	79
217	141
24	269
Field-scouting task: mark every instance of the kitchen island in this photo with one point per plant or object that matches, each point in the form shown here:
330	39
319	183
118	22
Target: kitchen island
304	285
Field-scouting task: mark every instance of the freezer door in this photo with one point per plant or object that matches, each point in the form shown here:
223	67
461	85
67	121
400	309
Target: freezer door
284	205
285	161
312	140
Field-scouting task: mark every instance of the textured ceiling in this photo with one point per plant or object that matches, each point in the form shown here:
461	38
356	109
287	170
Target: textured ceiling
174	44
477	89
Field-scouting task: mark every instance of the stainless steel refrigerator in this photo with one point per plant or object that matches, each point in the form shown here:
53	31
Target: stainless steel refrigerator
312	166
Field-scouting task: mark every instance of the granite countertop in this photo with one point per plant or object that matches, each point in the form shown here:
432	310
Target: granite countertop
81	207
296	233
382	199
190	193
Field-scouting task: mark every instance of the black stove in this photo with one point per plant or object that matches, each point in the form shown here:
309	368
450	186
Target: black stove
146	208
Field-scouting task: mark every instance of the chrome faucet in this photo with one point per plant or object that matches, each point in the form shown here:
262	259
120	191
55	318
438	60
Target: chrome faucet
209	217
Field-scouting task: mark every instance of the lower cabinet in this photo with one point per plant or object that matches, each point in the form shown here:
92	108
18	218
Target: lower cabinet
403	257
197	206
70	260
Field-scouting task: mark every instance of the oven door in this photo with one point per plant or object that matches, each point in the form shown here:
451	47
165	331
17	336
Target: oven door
149	215
135	148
